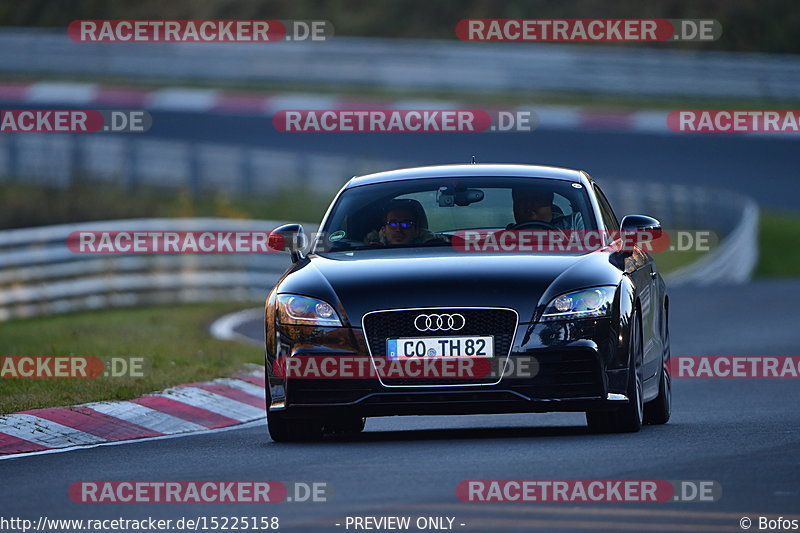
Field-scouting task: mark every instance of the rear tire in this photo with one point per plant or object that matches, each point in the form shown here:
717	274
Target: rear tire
629	417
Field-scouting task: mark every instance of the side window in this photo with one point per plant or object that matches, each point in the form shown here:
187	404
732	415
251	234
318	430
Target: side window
609	218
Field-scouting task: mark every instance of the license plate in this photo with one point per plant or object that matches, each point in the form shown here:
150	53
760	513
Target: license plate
439	347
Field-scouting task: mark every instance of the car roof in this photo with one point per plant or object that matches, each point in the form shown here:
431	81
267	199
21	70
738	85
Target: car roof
449	171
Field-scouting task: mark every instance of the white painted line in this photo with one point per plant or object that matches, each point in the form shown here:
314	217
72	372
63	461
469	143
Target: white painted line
181	99
44	432
651	121
244	386
71	93
144	416
302	101
215	403
248	425
224	328
421	104
555	117
202	100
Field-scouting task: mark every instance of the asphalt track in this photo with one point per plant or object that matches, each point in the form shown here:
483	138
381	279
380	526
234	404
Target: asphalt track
742	433
763	167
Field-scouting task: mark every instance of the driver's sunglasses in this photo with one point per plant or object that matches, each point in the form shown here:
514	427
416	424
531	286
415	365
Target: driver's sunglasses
405	224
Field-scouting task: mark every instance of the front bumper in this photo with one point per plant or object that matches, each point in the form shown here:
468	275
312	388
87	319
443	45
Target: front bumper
581	367
449	402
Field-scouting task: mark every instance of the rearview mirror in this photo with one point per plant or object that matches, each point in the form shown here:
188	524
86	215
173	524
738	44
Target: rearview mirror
447	197
289	238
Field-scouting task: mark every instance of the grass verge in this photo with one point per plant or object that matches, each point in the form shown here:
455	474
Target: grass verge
669	261
778	236
33	205
174	340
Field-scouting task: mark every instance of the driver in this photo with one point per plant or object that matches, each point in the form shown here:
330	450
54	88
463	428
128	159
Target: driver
536	205
401	224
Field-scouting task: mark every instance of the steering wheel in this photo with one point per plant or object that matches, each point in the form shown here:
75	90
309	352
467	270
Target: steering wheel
533	223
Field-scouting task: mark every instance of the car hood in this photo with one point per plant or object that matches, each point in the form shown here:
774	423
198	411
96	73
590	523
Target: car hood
365	281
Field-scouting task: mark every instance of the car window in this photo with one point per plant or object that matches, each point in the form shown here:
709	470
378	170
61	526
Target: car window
609	218
563	205
491	212
439	207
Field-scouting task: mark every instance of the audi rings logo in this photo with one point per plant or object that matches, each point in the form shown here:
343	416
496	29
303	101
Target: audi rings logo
443	322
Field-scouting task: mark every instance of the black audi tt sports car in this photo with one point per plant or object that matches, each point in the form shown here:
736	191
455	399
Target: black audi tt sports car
421	294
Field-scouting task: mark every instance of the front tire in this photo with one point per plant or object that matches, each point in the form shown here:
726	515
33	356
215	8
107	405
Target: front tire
659	410
629	417
282	429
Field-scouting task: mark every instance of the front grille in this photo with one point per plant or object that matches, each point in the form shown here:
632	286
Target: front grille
382	325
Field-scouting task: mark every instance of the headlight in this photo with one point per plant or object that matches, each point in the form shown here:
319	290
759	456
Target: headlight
306	311
586	303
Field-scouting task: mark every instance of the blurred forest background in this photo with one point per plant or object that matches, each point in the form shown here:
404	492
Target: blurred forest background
761	25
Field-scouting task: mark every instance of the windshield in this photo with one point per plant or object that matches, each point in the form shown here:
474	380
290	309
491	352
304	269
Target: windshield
427	212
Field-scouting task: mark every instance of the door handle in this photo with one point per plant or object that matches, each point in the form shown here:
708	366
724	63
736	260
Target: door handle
653	275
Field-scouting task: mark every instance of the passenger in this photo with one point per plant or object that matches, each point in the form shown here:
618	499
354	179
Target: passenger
403	222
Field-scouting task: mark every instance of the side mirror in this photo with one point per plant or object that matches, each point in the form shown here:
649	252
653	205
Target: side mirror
640	223
640	229
288	238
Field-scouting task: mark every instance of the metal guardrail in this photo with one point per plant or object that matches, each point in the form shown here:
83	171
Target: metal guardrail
731	216
732	262
39	275
413	64
55	159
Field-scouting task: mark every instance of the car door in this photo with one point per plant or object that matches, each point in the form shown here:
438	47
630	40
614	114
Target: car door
641	270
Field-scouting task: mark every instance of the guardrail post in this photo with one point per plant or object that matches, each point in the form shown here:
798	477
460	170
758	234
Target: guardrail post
13	158
246	169
195	181
132	168
75	170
